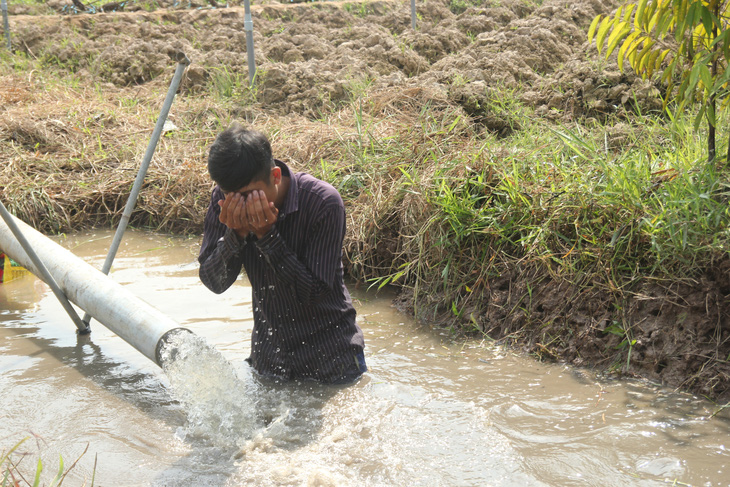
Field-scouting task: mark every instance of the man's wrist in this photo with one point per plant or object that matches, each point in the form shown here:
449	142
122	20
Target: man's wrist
268	241
242	235
234	241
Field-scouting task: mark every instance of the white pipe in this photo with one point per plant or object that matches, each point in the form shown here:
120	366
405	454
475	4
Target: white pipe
248	28
136	322
42	271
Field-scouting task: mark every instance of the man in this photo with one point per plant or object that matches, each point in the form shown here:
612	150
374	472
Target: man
286	230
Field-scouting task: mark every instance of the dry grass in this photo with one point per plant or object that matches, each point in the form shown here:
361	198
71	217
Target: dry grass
71	165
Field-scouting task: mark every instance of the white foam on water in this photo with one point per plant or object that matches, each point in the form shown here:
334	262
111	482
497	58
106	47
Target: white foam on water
221	406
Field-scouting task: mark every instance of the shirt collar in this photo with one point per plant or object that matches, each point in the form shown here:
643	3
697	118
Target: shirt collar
291	203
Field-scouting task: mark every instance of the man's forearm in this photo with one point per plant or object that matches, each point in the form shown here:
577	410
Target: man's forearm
220	267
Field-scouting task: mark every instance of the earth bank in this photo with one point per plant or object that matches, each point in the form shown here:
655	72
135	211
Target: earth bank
325	70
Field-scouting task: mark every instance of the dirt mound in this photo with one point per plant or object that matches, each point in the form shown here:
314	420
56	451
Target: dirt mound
309	56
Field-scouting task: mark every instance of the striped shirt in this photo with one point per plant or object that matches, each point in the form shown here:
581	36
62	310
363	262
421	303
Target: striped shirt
304	320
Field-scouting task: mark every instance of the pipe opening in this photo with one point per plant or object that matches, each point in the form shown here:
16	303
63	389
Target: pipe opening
167	346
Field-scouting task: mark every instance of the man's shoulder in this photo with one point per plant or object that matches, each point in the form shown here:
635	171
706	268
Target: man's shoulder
315	189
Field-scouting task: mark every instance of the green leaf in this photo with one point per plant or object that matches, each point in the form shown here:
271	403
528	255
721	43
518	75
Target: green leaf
662	56
617	17
643	56
629	10
694	77
659	21
707	22
653	20
706	77
649	14
619	32
683	23
722	40
628	45
38	470
693	15
454	123
724	78
698	118
670	88
592	28
10	452
679	11
651	63
602	30
639	17
59	475
664	23
615	329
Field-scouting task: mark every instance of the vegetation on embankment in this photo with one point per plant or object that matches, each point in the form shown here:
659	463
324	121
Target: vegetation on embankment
578	228
12	472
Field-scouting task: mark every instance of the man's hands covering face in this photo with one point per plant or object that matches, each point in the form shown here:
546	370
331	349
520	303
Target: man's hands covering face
251	213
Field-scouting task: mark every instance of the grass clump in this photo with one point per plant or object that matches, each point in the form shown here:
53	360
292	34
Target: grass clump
14	472
446	210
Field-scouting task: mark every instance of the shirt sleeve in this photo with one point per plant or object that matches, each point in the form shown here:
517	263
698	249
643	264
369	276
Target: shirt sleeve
220	255
312	276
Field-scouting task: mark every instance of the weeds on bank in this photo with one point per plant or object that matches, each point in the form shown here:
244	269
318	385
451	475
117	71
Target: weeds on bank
13	473
72	151
229	85
455	207
33	7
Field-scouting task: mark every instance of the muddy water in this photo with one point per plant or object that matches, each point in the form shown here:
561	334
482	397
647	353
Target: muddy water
429	411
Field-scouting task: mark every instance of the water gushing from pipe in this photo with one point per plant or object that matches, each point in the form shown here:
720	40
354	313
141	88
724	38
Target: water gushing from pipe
220	406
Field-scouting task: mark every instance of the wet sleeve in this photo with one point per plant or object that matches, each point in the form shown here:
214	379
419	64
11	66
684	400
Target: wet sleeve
220	255
312	276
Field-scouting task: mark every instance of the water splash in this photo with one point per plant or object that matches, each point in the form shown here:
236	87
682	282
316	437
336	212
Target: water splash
248	413
220	406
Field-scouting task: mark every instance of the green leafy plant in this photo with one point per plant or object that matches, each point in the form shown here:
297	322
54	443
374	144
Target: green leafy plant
684	40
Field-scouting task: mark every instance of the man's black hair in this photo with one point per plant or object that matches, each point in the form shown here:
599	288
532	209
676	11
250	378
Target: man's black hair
238	157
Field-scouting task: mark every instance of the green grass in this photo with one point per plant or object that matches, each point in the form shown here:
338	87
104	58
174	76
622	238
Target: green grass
14	472
465	205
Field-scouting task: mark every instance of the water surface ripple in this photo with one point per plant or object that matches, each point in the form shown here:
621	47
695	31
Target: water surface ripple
429	412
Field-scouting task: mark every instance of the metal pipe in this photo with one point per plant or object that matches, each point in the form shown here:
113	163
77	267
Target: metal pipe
136	322
6	25
41	269
248	27
413	14
183	62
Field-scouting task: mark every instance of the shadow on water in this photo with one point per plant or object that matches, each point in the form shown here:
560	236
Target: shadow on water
137	388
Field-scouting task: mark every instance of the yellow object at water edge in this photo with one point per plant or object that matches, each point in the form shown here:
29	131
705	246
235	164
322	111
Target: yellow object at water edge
9	269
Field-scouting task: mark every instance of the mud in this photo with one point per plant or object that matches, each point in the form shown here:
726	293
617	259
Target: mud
312	57
675	334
